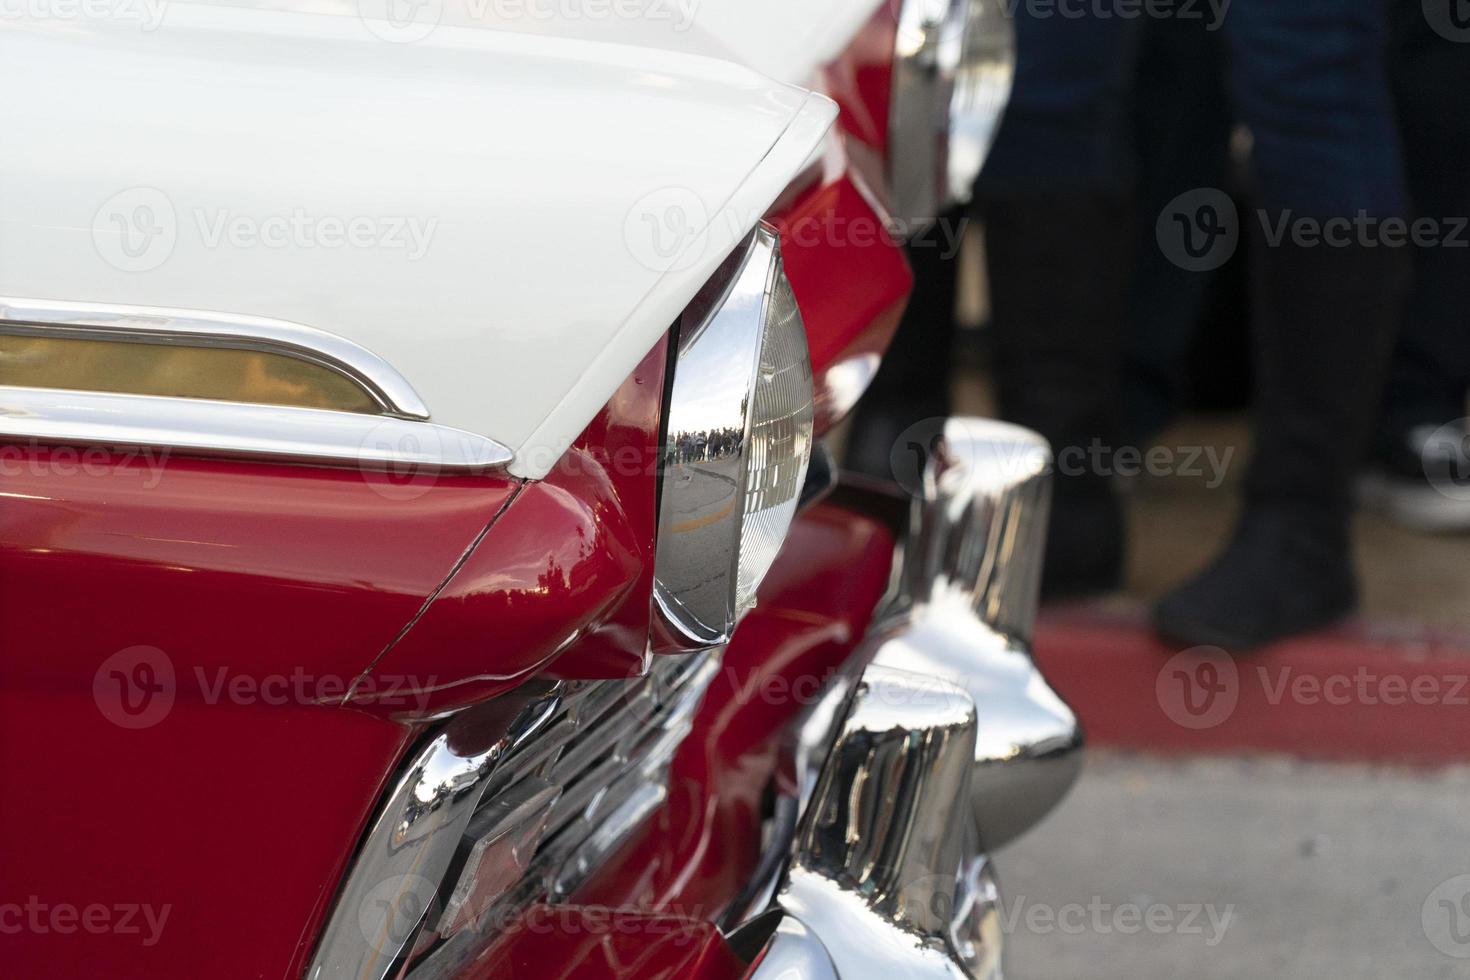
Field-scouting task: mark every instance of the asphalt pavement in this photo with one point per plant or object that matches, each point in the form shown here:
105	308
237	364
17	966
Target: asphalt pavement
1211	868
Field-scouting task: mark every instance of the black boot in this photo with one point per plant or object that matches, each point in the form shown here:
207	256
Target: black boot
1323	335
1060	267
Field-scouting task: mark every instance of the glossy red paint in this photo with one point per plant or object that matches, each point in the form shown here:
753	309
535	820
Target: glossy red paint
850	277
860	80
574	942
561	583
229	568
205	845
169	631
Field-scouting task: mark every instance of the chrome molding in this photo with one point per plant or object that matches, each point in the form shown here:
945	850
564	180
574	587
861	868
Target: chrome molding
966	611
273	432
516	801
156	325
400	439
396	879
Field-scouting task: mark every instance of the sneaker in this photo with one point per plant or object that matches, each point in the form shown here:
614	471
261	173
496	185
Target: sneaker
1422	483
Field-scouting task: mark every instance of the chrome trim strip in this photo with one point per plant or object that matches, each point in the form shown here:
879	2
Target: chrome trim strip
276	432
158	325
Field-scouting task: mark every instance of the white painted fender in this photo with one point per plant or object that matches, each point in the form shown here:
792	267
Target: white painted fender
511	220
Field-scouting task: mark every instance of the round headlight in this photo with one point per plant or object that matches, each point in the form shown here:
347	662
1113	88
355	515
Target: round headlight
739	438
954	63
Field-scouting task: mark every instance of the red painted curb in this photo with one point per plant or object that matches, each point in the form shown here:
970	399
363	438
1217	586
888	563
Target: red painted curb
1364	691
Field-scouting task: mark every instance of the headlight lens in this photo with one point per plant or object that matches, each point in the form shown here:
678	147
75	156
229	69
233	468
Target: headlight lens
953	66
739	440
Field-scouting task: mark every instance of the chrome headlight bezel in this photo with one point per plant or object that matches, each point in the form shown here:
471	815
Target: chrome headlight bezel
731	472
953	67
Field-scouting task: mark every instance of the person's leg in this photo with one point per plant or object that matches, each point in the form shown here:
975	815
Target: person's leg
1181	124
1430	371
1308	80
1056	199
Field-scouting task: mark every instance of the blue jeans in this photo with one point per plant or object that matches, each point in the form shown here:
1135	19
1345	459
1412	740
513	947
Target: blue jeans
1306	76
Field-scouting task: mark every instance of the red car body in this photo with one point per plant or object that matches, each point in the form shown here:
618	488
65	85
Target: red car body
191	814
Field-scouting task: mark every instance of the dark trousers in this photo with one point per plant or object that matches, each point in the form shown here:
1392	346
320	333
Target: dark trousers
1430	75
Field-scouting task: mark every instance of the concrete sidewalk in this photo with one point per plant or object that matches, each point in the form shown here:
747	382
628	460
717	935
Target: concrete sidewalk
1210	869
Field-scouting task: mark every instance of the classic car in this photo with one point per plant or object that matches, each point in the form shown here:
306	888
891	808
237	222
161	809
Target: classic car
421	552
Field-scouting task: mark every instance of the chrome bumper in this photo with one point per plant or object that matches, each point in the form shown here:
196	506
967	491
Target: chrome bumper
949	744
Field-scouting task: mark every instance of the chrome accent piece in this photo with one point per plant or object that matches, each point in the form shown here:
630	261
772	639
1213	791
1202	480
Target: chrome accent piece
607	747
843	385
739	436
512	802
156	325
396	878
982	88
795	953
876	873
953	67
977	536
966	612
506	832
930	44
275	432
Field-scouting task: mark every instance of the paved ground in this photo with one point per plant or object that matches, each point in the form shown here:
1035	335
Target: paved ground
1233	868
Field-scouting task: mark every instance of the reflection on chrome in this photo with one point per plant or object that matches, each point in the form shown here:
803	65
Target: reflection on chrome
738	443
879	870
953	67
971	569
513	802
